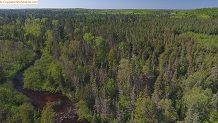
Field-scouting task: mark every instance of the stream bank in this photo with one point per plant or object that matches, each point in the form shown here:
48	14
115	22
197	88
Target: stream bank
63	107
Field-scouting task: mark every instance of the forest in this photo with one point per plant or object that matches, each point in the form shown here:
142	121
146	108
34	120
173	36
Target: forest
115	66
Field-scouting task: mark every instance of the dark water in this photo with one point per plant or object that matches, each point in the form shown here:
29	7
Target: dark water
63	107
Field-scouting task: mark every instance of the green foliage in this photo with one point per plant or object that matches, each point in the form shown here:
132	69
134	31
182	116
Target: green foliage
195	80
145	110
44	75
168	112
13	57
200	13
124	70
15	107
124	105
54	72
23	114
197	101
213	116
33	32
111	88
9	99
33	27
111	58
131	66
88	37
83	111
205	39
48	115
85	93
100	50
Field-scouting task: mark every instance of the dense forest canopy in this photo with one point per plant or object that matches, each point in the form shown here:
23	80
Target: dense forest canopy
136	66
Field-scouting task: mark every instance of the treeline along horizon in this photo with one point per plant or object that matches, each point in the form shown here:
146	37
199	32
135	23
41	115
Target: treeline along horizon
136	66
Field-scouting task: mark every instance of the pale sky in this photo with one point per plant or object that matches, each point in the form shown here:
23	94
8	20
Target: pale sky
120	4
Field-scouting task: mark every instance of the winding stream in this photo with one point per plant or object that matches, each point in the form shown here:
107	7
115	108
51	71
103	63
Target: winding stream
64	109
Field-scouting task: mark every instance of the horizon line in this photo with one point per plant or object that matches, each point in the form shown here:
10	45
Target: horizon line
111	8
